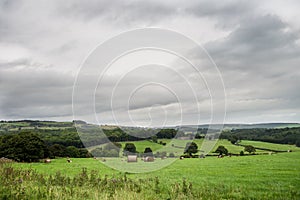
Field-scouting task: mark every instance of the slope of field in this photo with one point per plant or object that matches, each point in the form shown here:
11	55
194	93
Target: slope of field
268	145
247	177
177	146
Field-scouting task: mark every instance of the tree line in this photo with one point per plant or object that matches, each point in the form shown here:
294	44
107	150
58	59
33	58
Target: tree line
29	147
278	135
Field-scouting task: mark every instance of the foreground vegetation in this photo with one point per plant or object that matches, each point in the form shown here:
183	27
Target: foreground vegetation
273	173
244	177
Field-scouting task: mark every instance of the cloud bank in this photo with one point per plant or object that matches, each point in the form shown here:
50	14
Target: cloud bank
256	46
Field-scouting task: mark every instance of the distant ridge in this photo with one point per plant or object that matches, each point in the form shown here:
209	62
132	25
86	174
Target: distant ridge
26	122
244	126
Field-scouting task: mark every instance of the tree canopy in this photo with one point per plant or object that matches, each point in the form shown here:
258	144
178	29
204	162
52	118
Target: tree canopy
221	150
250	149
148	151
129	149
191	148
23	147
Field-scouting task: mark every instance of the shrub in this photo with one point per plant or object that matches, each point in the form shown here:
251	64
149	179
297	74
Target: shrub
250	149
171	155
221	150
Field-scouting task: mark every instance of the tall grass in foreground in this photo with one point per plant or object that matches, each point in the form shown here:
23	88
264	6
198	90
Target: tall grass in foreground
28	184
16	183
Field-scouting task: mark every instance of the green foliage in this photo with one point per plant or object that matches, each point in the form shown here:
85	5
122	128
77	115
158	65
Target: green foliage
148	151
99	152
191	148
72	152
199	136
154	138
163	154
23	147
129	149
171	155
57	150
209	178
298	143
233	139
162	143
167	133
242	153
276	135
221	150
28	184
250	149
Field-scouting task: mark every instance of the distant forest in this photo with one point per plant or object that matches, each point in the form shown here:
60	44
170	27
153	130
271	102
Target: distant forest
279	135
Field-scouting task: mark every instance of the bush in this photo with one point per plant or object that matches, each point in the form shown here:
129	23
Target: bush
241	153
163	154
171	155
72	152
250	149
221	150
99	152
129	149
298	143
148	151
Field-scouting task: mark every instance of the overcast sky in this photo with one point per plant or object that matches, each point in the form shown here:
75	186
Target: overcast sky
255	45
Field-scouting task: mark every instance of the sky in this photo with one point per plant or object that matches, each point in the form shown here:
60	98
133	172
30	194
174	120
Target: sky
254	47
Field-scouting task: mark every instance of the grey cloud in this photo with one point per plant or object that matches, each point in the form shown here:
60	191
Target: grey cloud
258	40
258	59
259	62
29	91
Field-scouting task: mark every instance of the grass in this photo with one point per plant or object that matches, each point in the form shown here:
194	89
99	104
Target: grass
273	176
177	146
267	145
244	177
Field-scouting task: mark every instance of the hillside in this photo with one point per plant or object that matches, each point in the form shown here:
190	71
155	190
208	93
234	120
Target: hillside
88	135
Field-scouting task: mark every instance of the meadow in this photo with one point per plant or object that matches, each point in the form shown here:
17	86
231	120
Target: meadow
177	146
265	175
238	177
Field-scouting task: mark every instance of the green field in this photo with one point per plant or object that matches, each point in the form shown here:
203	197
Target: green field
261	176
179	145
243	177
273	146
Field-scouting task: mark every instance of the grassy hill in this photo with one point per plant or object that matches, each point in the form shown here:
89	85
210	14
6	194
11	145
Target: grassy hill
177	146
272	146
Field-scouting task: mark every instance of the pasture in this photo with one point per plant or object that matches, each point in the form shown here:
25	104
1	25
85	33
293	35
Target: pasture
272	146
177	146
239	177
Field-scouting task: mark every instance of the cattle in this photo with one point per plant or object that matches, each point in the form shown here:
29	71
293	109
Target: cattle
47	161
